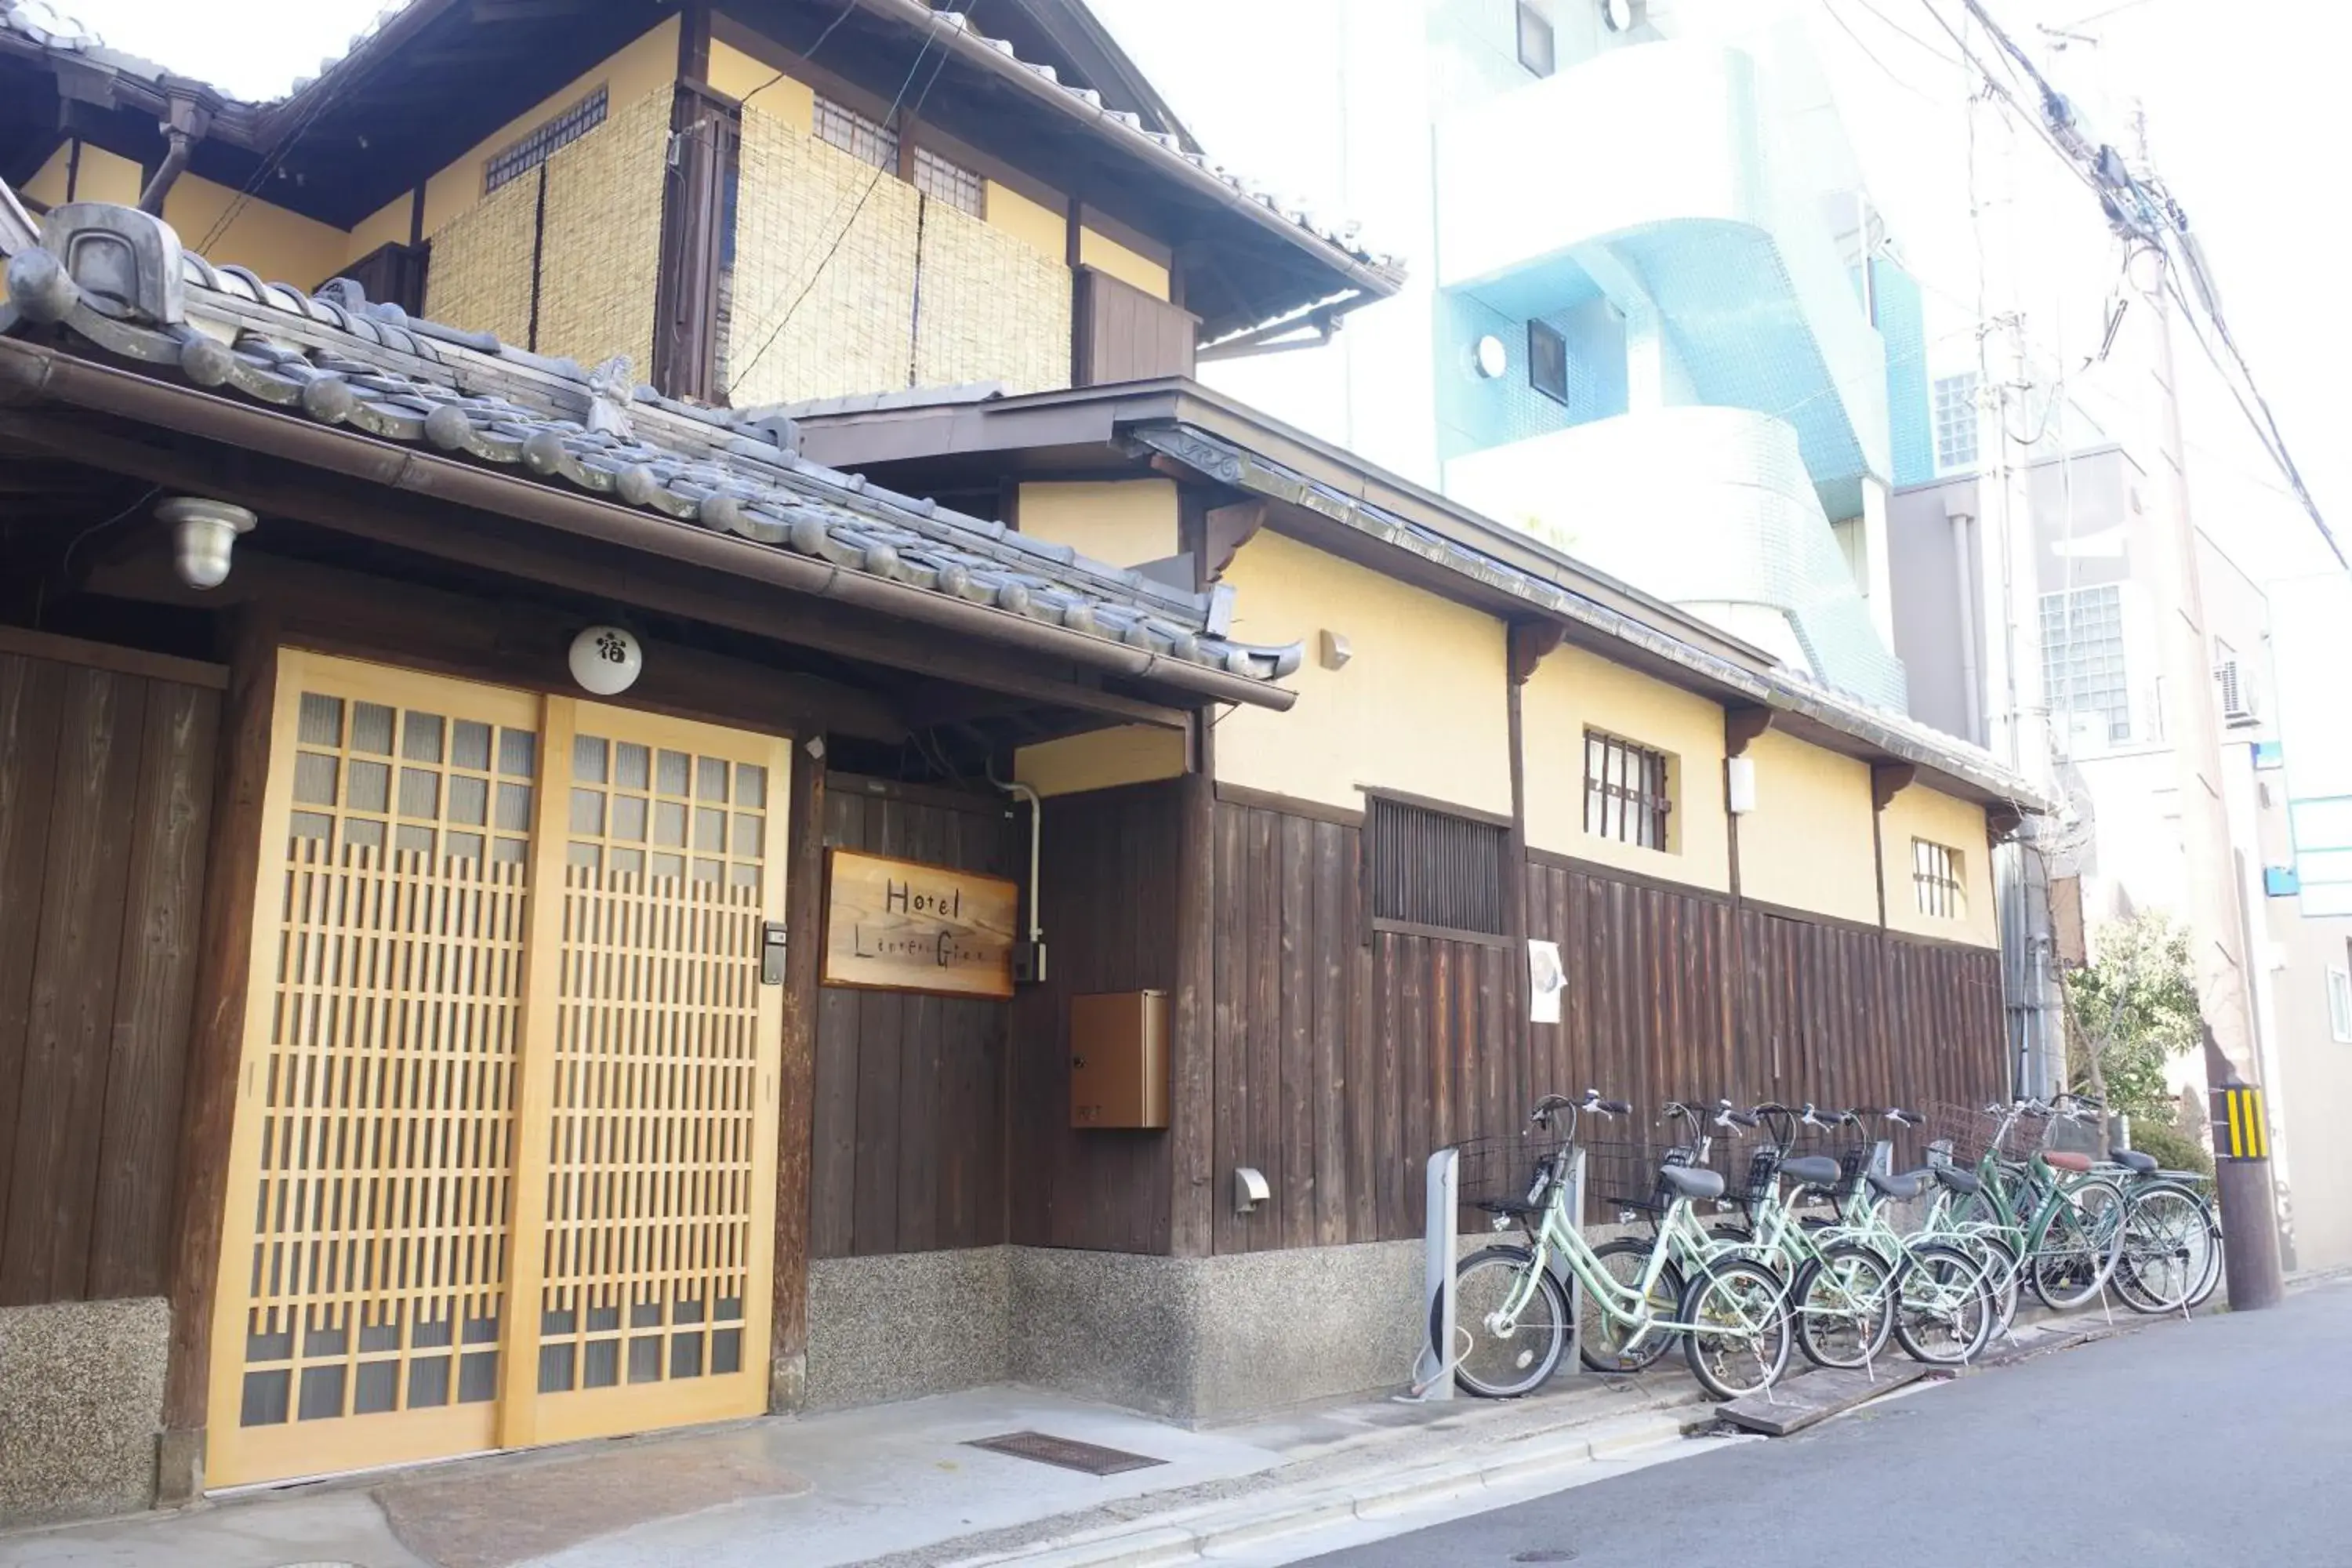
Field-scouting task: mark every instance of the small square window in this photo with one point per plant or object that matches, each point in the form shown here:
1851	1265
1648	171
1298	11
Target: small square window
1935	881
868	141
1626	794
1536	50
943	181
1548	362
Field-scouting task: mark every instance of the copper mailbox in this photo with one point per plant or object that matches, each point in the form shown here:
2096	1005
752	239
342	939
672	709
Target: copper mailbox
1118	1059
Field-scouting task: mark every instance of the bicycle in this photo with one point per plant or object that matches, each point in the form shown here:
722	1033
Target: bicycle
1732	1319
2063	1221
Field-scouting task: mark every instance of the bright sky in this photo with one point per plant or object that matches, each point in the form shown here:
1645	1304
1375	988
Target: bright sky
2244	102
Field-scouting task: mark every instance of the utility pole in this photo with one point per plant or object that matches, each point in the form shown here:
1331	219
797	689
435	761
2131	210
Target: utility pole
2216	917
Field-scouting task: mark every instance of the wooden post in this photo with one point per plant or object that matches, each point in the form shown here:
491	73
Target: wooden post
1191	1108
796	1076
215	1040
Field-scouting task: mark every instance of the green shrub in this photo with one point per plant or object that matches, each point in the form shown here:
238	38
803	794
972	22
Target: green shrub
2173	1149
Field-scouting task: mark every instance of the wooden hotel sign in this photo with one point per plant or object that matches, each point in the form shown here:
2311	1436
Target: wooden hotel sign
901	925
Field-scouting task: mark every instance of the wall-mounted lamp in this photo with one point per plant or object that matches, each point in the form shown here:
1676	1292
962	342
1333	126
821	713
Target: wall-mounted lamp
606	660
1739	784
1249	1188
204	532
1334	650
1489	358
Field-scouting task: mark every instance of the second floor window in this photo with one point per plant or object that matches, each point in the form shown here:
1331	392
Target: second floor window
868	141
1547	361
2082	661
943	181
1537	50
1935	879
1625	791
1956	422
543	140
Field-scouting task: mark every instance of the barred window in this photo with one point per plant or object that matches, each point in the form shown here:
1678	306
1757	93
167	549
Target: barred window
868	141
1956	421
542	141
945	181
1625	791
1935	879
1434	870
2082	672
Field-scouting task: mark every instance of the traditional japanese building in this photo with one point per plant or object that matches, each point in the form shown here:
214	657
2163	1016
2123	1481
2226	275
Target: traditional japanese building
534	905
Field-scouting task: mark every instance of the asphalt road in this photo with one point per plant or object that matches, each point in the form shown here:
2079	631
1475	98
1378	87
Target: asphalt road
2224	1443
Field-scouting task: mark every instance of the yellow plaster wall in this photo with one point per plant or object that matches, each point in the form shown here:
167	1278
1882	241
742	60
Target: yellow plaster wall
1572	689
1032	223
1420	707
1103	759
48	184
753	83
105	176
642	66
1807	845
281	246
1922	812
1124	522
1101	250
388	225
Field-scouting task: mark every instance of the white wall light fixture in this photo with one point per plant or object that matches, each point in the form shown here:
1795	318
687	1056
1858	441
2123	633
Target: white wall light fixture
1739	784
1336	649
1489	358
606	660
204	532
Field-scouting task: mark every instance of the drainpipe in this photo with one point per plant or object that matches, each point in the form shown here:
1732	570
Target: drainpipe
182	130
1964	580
1030	964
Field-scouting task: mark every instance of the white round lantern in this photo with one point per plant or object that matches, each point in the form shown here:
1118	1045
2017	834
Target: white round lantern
1489	358
605	660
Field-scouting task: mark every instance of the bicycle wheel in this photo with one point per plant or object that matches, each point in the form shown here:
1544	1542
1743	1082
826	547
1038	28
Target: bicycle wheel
2213	1260
1739	1339
1602	1341
2165	1247
1497	1365
2078	1248
1845	1307
1943	1312
2004	1277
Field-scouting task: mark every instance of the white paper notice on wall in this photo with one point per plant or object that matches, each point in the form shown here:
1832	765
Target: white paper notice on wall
1546	981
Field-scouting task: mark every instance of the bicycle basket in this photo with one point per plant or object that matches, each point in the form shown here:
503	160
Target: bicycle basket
1504	1173
1621	1179
1958	1136
2076	1137
2027	1135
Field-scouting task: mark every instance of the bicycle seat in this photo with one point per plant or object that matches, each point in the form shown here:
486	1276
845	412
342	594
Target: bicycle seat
1898	1187
1959	1181
1690	1181
2066	1159
2133	1161
1810	1169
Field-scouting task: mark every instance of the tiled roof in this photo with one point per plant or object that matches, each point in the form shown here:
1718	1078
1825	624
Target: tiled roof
339	359
40	21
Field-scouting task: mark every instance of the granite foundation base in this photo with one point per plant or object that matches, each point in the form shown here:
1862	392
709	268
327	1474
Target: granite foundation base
1196	1340
81	1401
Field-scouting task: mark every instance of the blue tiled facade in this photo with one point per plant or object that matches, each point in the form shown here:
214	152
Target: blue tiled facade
1474	412
1902	322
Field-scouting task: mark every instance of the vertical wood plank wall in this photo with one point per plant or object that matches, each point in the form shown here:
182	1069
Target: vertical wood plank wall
106	784
1106	887
908	1149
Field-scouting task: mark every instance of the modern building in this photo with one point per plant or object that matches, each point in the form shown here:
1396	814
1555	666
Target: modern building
1645	331
2116	847
535	905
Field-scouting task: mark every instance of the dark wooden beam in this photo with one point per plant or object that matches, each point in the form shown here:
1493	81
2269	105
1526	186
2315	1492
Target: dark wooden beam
215	1044
1192	1177
796	1079
1741	726
1888	780
1530	642
1223	531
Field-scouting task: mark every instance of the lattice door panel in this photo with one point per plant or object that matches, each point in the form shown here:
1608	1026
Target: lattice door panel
363	1272
656	1211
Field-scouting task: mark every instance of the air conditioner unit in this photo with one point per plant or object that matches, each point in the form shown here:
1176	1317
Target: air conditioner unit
2238	709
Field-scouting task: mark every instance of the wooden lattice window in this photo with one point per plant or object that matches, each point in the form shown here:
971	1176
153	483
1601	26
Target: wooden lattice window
1626	791
865	140
1935	879
1434	870
943	181
542	141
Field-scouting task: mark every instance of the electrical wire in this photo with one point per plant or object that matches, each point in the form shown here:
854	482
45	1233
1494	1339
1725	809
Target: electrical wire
1872	55
936	32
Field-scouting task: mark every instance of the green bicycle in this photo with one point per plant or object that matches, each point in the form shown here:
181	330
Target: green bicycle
2063	1221
1512	1319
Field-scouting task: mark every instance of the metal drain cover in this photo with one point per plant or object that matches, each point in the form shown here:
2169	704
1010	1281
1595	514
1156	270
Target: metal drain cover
1066	1452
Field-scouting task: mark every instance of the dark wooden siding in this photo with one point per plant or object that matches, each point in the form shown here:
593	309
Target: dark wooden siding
106	784
1108	877
908	1147
1339	1066
1121	334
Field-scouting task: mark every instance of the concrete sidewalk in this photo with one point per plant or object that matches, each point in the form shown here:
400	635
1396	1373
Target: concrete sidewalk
894	1484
